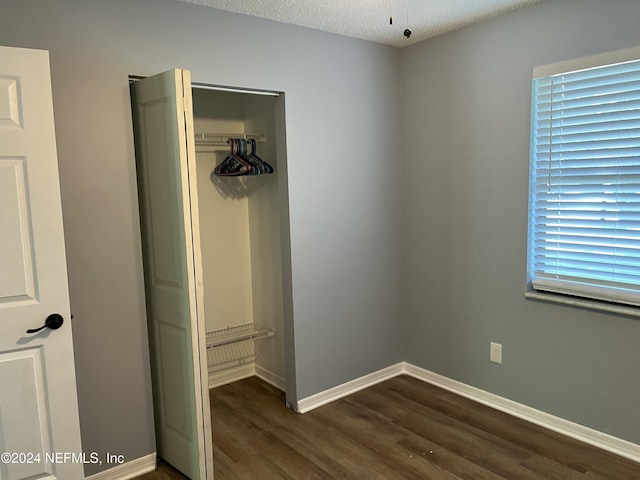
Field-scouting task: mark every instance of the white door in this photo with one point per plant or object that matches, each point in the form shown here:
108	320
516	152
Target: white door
38	404
165	152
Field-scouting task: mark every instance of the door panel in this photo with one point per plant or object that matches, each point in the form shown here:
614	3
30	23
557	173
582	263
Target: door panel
25	369
15	243
172	343
10	113
38	403
164	149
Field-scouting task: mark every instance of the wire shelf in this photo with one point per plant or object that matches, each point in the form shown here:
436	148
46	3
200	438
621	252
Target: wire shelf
229	335
213	139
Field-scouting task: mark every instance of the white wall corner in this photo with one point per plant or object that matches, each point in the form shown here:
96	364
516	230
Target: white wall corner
128	470
560	425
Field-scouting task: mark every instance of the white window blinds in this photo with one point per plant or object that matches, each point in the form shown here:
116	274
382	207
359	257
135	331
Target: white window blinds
584	210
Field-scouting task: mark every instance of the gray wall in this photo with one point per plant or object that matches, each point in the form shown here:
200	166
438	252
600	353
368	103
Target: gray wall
343	132
466	137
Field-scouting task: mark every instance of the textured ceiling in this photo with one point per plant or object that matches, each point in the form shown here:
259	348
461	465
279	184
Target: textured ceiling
369	19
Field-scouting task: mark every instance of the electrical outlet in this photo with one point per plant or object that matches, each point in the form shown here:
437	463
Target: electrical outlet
495	352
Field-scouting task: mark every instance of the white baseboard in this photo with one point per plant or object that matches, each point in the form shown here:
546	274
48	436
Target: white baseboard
128	470
271	378
222	377
560	425
335	393
233	374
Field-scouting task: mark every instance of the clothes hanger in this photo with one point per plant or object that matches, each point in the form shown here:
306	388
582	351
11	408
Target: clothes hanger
264	166
233	164
241	145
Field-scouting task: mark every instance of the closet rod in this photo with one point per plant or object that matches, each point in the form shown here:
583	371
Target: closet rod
221	138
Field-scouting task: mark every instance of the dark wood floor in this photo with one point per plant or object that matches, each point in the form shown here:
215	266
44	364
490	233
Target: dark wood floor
400	429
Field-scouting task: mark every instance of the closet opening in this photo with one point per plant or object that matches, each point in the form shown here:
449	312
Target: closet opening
240	235
213	191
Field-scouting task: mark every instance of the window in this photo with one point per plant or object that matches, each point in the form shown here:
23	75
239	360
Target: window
584	187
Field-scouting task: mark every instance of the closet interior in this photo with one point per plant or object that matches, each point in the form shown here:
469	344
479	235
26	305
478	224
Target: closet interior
239	225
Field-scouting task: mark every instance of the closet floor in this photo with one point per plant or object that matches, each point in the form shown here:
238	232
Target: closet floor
399	429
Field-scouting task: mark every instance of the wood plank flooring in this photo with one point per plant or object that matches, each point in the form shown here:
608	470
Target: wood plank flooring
400	429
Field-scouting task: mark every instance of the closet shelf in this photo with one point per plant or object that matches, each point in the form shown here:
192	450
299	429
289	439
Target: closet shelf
212	139
226	336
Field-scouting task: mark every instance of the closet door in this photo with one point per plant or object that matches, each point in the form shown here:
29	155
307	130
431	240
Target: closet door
165	154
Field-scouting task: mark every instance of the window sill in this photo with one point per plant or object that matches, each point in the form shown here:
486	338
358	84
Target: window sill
584	303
